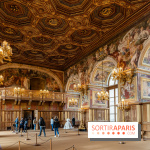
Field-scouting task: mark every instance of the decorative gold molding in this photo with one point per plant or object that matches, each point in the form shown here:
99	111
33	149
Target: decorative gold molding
146	47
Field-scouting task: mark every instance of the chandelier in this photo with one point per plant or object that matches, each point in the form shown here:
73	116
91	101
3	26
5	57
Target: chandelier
123	75
18	91
5	52
1	80
43	93
73	101
102	95
81	88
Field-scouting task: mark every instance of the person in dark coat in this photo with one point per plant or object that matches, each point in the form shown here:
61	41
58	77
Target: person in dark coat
21	124
42	126
56	126
73	121
25	124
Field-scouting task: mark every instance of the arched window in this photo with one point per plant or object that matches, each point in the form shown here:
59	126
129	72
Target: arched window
113	99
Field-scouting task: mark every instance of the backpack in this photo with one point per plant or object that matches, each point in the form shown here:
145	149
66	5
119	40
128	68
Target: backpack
42	122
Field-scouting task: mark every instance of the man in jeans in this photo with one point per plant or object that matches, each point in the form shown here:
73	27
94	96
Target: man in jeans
42	126
34	123
21	124
16	122
56	126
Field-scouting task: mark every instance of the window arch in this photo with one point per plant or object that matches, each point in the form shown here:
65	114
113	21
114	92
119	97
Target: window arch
113	99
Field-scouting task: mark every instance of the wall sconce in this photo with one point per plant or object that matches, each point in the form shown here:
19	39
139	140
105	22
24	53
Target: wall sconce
43	93
73	101
123	105
18	93
83	89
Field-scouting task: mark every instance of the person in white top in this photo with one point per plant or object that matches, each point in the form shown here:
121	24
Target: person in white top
52	123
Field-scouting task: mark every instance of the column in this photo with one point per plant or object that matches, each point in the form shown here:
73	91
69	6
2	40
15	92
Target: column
68	114
148	112
50	115
79	116
36	115
59	116
138	109
62	116
106	115
65	115
90	115
93	115
0	115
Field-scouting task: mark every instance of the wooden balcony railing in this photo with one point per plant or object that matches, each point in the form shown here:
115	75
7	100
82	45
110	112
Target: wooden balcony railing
34	95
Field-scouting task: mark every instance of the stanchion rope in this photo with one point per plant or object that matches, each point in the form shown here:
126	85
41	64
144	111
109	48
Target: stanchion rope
69	147
45	142
26	143
11	145
31	135
42	139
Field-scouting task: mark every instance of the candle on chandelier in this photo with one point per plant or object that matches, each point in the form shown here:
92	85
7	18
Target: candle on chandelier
1	51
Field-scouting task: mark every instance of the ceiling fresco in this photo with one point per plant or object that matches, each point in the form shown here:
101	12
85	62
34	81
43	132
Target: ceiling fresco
56	34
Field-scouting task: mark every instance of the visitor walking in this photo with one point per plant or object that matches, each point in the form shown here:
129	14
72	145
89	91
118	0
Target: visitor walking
52	123
25	124
73	121
42	126
29	123
16	123
34	123
56	126
21	124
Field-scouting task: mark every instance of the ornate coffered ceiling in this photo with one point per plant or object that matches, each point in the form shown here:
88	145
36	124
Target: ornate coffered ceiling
58	33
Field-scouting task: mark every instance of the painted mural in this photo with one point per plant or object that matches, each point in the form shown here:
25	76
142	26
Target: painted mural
145	88
71	86
146	59
21	77
128	91
85	101
125	49
143	80
100	76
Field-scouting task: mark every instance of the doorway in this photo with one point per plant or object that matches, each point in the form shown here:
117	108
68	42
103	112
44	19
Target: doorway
29	114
